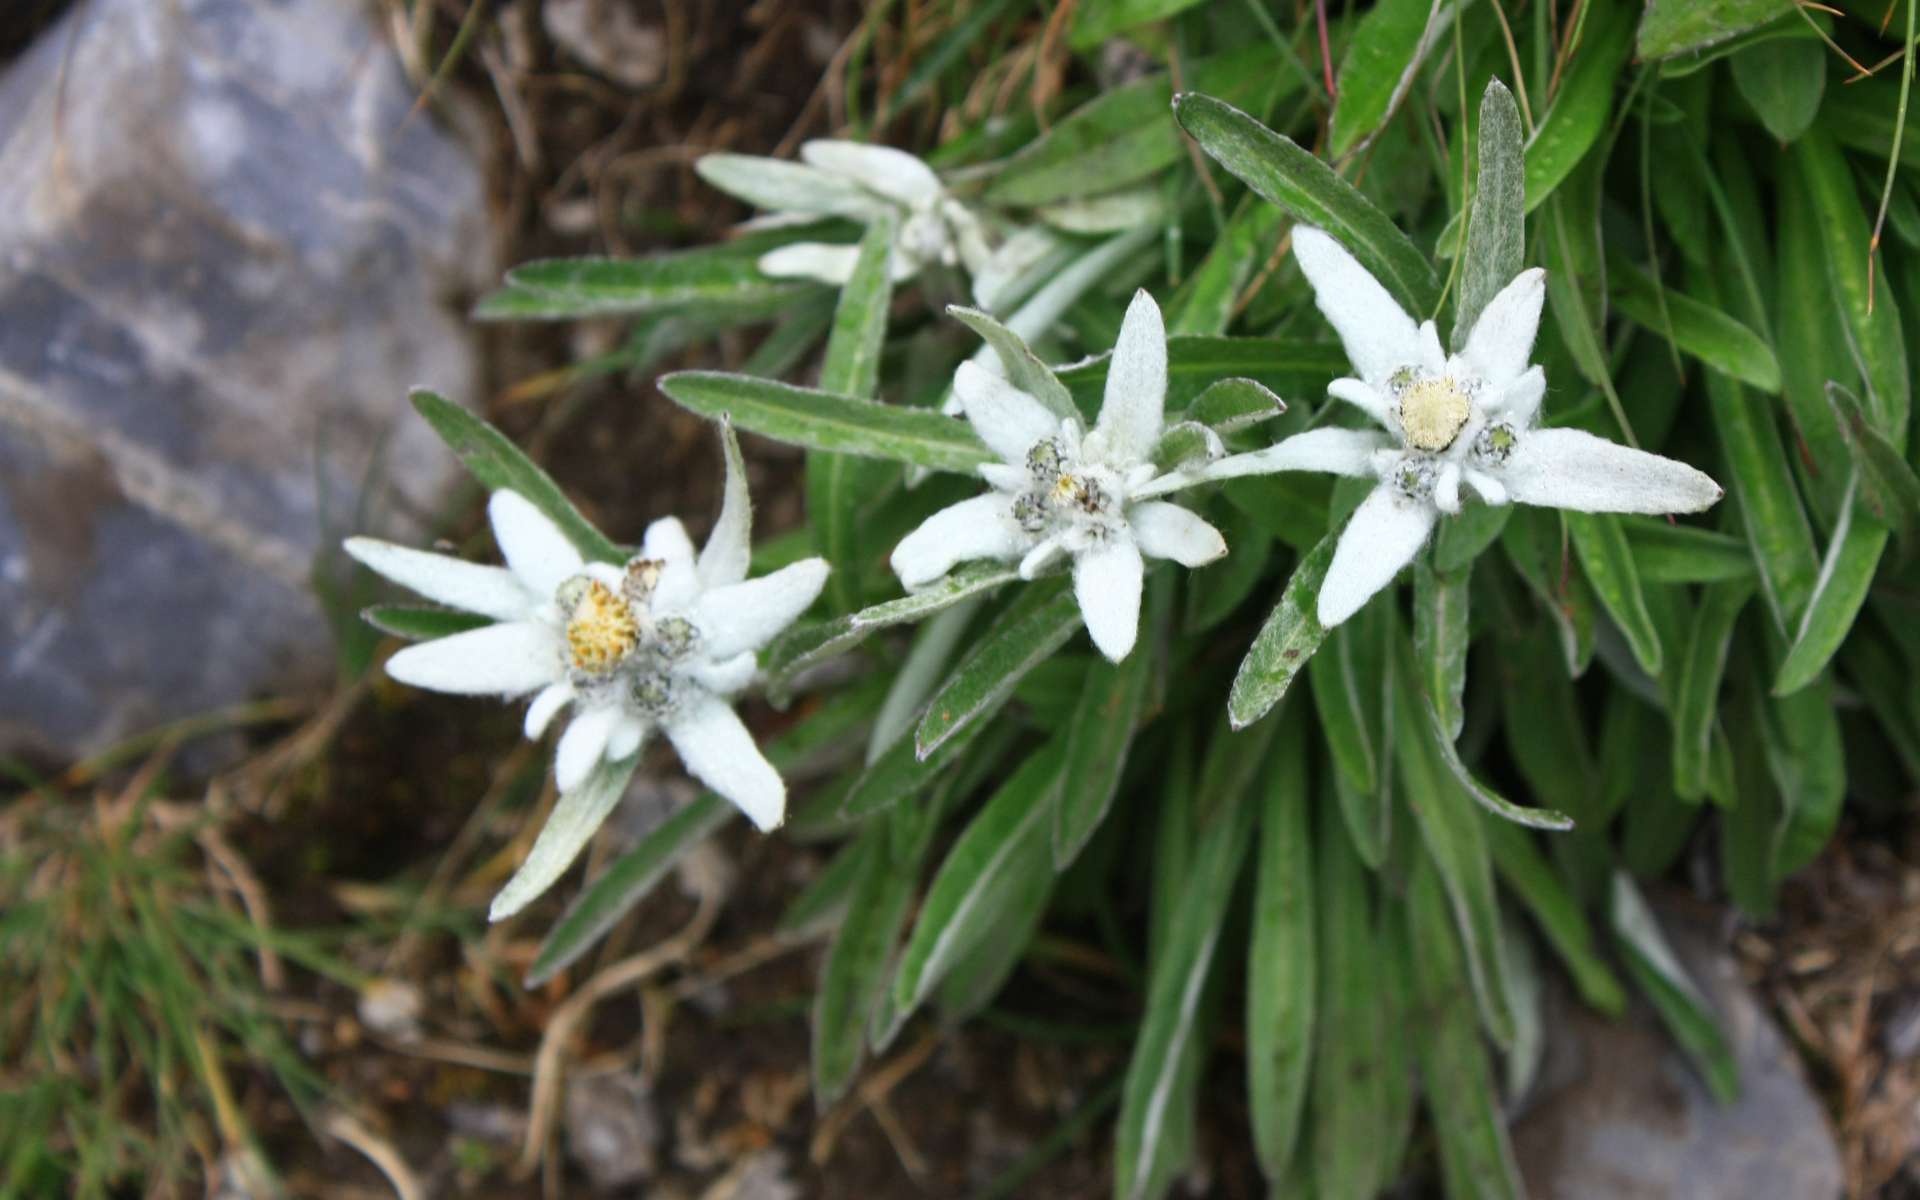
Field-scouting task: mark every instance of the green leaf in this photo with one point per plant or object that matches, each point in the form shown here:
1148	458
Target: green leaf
1761	484
823	901
1497	223
1282	958
1584	102
613	893
1667	553
1196	363
1784	80
824	421
963	902
1216	591
1286	641
1672	27
1527	873
1440	639
1097	20
1888	486
1696	690
1533	543
1097	741
1290	177
1388	46
1163	1073
1022	367
500	465
1476	1159
1230	405
1484	796
837	484
1701	330
1807	760
1846	573
1032	628
806	646
1127	134
1685	1012
418	624
854	975
1205	302
1460	539
1866	299
899	773
709	277
1602	548
1453	832
1350	697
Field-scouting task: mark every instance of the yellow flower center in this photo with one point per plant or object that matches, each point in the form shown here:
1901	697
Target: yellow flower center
1432	412
601	630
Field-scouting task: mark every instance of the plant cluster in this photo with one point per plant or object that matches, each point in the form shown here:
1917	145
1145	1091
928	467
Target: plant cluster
1223	496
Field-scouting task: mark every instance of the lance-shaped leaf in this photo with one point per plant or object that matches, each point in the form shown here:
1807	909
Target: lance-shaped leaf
1229	405
807	646
1685	1011
1530	877
1286	641
1283	173
826	421
1031	629
1098	739
1484	796
1667	553
1022	368
1386	51
964	901
1888	486
1282	959
1695	701
1440	639
1846	573
837	484
1674	27
1701	330
1583	103
1497	223
500	465
1608	564
603	287
1163	1073
419	624
854	974
1196	363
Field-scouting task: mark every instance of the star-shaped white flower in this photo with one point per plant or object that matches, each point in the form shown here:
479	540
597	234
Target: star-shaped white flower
859	181
661	644
1466	419
1060	492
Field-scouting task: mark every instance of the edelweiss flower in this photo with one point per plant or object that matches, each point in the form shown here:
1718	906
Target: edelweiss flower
662	643
1061	492
851	179
1466	419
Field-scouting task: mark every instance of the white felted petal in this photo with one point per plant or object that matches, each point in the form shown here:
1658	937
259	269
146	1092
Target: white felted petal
1490	489
581	746
727	676
1133	408
1333	451
1386	531
535	549
509	659
1446	489
1433	356
624	742
1501	341
1007	419
666	540
729	547
969	236
1011	271
1041	557
892	173
811	260
573	822
1006	477
1106	582
1570	468
1362	396
745	616
787	187
1380	338
719	752
982	527
1163	530
490	591
1519	402
545	707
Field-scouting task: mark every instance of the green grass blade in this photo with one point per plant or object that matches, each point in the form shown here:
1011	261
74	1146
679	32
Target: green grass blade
1033	627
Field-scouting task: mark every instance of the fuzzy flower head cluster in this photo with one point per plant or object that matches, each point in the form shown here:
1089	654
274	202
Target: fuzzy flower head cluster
661	643
1451	426
1061	492
859	182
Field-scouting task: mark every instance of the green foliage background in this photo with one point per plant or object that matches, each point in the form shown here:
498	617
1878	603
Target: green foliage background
1733	244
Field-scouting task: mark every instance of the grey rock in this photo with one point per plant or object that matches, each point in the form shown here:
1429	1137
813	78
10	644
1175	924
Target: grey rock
1620	1114
613	1130
225	253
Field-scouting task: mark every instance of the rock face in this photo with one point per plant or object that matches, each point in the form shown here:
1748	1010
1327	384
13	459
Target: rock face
225	253
1621	1115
